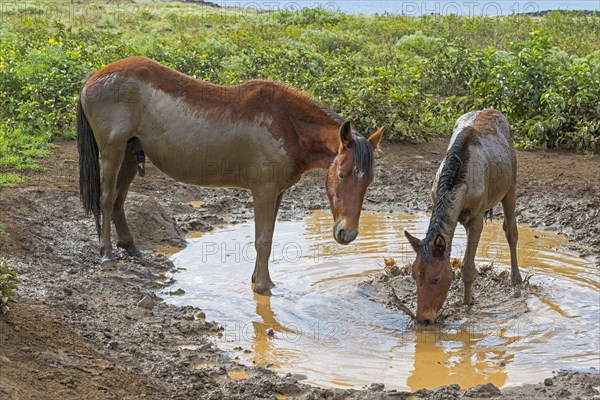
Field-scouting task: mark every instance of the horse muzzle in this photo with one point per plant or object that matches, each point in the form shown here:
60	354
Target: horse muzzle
342	234
427	318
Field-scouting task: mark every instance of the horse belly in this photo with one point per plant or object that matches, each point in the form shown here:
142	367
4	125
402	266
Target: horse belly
215	152
493	168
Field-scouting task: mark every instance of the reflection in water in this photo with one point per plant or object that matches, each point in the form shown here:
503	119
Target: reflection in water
263	346
460	356
324	327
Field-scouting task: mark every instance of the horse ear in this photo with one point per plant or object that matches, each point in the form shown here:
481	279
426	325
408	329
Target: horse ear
414	242
346	135
439	246
375	138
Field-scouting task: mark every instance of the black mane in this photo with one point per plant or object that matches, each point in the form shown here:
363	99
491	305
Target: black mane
363	152
453	174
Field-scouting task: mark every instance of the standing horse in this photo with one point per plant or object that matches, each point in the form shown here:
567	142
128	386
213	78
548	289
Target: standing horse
479	170
260	136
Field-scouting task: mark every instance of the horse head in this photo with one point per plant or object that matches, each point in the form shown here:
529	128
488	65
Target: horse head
347	180
432	272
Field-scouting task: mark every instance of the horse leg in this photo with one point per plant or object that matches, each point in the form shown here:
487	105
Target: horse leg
474	228
512	234
277	204
112	158
265	206
124	179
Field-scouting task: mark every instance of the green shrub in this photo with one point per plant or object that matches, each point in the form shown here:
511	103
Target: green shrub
414	75
8	284
419	44
324	41
550	97
306	16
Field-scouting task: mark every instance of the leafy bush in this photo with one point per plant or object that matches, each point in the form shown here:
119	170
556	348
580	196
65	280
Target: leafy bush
414	75
418	45
324	41
307	16
550	96
8	284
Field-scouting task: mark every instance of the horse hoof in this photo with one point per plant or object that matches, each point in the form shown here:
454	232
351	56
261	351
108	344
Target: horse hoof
135	252
130	249
271	284
265	290
108	262
516	280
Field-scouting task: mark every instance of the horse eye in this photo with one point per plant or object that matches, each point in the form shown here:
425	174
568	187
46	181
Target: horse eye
340	175
435	280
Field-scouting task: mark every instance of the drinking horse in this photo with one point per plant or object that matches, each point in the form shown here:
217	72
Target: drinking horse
478	172
260	135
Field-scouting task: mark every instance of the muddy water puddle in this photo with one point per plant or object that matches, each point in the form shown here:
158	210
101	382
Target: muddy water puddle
319	324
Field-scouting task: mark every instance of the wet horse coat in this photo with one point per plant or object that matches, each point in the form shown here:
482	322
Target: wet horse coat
478	172
260	136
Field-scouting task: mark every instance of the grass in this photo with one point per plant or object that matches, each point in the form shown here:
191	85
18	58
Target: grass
11	179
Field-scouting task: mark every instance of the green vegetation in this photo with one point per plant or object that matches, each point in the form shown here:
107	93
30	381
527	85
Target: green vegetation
414	75
8	284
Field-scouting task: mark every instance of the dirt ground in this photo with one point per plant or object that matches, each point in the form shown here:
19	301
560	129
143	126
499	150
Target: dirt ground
80	331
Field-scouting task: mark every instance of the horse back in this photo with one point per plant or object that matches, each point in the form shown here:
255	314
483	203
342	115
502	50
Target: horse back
194	131
482	144
124	79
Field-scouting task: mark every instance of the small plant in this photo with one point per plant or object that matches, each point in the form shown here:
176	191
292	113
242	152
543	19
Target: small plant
10	179
8	284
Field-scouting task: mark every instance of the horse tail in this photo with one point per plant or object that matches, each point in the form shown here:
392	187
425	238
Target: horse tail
89	166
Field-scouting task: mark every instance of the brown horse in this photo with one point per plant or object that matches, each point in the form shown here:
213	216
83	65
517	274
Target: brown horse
479	170
260	136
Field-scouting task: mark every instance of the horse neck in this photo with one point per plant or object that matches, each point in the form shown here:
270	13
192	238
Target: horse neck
445	215
318	144
327	147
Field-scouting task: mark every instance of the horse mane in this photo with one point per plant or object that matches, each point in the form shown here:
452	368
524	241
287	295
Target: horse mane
363	152
317	112
452	175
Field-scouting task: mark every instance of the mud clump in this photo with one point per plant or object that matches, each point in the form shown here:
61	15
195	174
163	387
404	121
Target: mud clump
485	390
566	384
392	269
492	289
150	224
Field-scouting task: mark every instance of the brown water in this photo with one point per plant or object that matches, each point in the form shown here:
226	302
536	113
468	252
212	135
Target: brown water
235	374
318	323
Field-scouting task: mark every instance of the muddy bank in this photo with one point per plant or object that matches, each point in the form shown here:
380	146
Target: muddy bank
82	331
